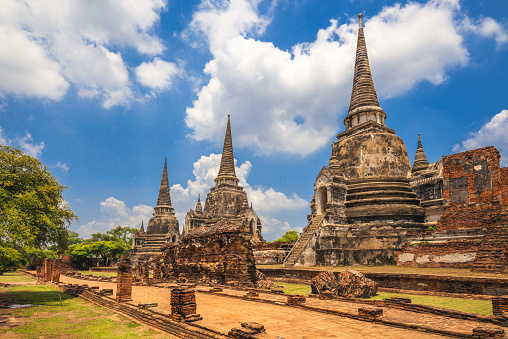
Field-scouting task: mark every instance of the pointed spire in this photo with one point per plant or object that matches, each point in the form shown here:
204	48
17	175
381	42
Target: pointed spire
227	163
142	229
364	105
199	209
421	163
164	200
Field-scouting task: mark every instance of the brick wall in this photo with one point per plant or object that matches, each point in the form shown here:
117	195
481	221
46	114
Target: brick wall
456	254
124	280
473	187
504	185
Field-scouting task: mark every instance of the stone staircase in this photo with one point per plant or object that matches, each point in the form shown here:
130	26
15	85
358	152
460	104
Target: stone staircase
493	253
297	249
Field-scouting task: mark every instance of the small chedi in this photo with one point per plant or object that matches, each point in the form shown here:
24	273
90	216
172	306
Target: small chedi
162	227
219	254
370	207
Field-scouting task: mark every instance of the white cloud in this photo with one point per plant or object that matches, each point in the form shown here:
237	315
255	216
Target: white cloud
488	28
275	226
157	74
25	143
64	167
49	45
114	212
263	200
494	133
288	100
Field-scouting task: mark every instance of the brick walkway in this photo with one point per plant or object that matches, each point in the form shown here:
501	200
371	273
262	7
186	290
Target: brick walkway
222	313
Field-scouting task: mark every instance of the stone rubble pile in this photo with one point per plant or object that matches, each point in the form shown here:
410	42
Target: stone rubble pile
247	331
348	284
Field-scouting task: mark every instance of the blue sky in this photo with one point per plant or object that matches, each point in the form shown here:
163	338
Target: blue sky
103	91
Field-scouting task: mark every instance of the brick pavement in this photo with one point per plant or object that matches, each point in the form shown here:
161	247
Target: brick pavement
222	313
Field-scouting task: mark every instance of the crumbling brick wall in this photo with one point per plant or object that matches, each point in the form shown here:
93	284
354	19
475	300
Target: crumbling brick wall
504	185
456	254
473	187
219	254
51	270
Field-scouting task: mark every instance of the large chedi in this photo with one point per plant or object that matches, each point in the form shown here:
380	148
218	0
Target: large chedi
162	227
226	200
363	204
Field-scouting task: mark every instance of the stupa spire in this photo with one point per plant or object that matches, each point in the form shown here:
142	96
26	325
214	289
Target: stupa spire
142	229
227	164
364	105
421	163
164	200
199	209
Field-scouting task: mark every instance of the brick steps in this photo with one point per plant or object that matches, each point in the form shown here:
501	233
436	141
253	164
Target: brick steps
297	249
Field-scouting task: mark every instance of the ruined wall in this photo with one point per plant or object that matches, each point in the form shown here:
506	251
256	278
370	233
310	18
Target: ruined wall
504	185
220	254
473	187
456	254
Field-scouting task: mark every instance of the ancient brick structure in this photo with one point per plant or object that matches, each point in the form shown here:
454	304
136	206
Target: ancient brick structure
50	270
220	254
473	188
183	304
124	280
369	202
500	307
226	200
162	227
363	204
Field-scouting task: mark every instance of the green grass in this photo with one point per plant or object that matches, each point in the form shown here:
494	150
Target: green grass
98	274
76	318
460	272
8	277
295	288
465	305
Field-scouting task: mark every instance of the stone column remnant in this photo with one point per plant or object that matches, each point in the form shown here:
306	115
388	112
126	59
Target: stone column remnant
55	274
183	304
124	280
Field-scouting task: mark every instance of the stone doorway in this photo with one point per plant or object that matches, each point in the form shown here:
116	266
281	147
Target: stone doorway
322	200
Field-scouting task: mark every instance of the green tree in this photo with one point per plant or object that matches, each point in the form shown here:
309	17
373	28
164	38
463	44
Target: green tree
35	256
123	233
289	236
33	211
10	259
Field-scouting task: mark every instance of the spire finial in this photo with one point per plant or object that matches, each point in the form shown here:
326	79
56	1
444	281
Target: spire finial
363	96
164	195
227	163
142	229
421	163
199	197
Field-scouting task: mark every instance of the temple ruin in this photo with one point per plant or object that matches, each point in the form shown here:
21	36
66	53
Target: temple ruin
161	228
370	207
226	200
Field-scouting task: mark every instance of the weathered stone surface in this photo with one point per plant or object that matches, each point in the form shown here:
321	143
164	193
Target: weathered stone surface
226	200
353	284
162	227
219	254
349	284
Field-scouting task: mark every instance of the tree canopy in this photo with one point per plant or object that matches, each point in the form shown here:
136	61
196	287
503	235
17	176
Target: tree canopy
289	236
33	211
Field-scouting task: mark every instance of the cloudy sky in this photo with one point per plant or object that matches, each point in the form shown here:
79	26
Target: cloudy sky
102	91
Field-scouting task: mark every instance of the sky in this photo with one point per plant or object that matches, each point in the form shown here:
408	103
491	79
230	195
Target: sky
103	91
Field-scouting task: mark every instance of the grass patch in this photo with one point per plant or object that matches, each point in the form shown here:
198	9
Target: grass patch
98	274
75	319
8	277
483	307
465	305
295	288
